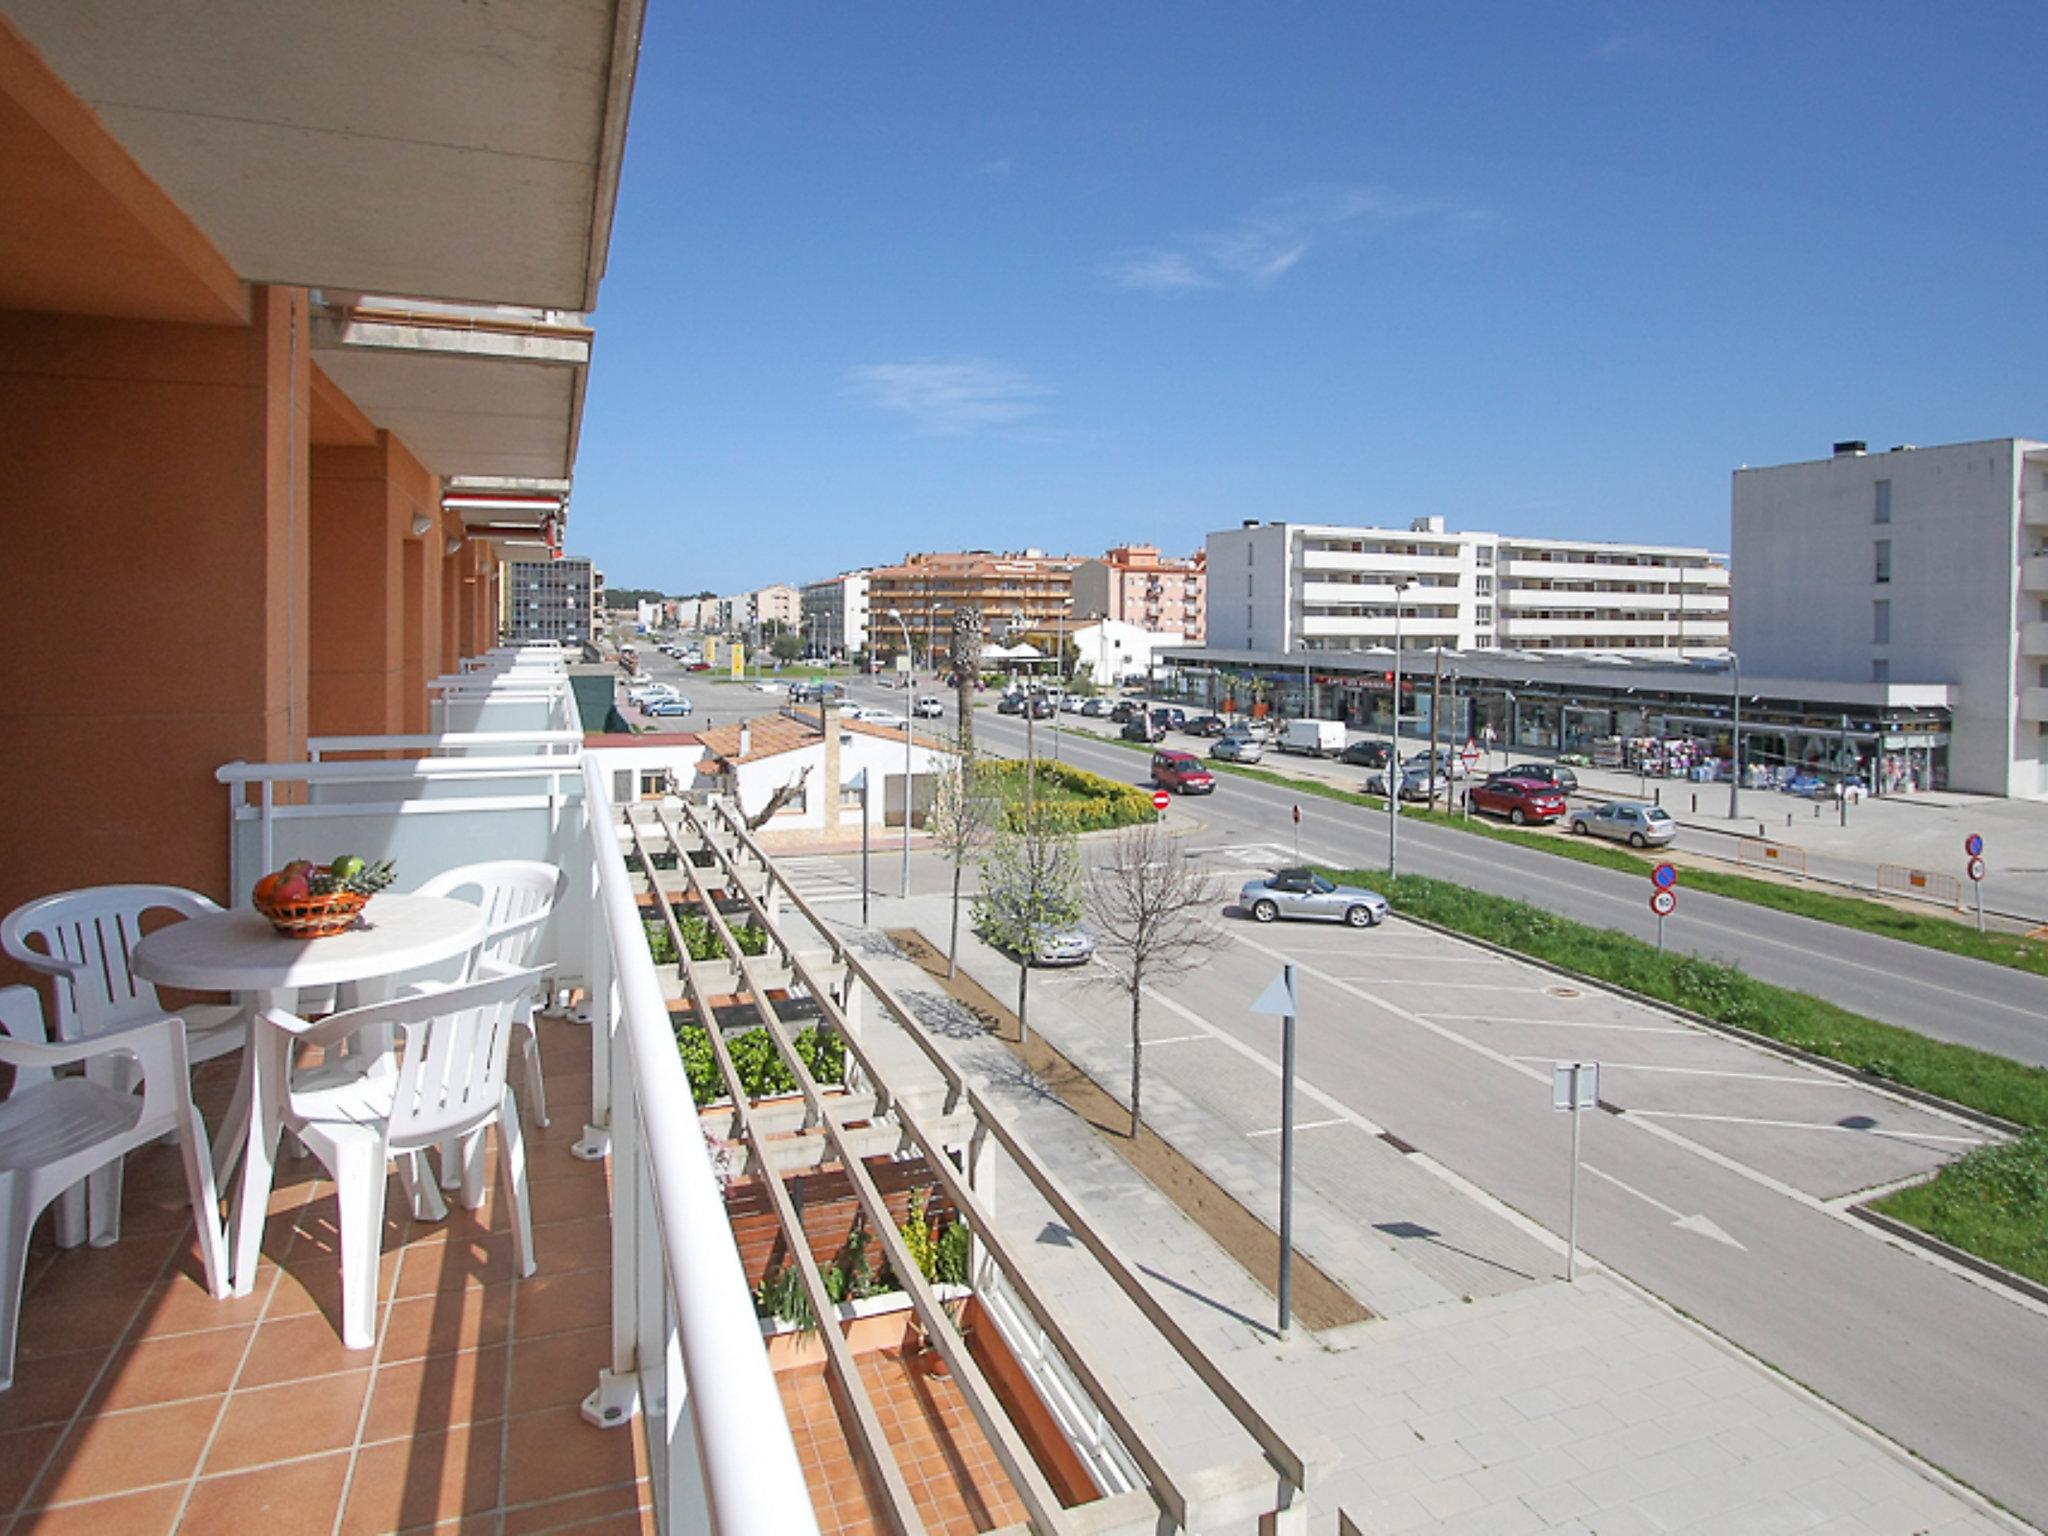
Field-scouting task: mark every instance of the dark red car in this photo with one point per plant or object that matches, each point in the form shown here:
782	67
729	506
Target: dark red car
1522	801
1182	772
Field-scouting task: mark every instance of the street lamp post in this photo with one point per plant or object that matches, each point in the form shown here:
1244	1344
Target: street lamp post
909	718
1394	741
1735	741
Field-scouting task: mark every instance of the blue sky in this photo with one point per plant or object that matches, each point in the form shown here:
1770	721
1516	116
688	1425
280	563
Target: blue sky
890	276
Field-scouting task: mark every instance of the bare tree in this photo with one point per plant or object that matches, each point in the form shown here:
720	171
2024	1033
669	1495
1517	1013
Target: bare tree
1032	891
1154	912
962	824
967	637
778	800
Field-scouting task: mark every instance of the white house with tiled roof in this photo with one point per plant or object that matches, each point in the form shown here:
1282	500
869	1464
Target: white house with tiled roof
818	771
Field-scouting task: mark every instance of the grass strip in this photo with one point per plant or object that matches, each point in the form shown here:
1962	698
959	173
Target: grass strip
2014	951
1993	1203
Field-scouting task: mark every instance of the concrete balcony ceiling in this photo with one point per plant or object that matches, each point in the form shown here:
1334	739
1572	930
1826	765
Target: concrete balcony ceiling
463	152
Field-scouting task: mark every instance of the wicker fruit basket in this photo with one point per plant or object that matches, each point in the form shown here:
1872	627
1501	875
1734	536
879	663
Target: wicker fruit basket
315	917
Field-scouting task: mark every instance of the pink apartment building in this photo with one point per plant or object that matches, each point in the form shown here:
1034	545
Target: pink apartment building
1135	584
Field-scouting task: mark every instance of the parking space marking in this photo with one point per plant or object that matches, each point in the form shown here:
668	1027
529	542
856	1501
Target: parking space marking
1461	986
1495	1018
1809	1081
1175	1039
1806	1125
1313	1125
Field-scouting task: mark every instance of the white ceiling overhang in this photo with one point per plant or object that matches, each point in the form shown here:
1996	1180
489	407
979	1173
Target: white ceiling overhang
468	152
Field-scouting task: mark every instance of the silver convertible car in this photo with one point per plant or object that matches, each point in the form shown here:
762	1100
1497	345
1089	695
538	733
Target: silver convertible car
1304	893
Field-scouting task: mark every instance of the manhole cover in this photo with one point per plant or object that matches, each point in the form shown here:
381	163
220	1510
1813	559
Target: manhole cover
1563	992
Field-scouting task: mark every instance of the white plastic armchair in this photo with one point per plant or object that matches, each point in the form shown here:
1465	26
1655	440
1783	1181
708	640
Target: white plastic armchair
82	940
55	1130
356	1114
518	897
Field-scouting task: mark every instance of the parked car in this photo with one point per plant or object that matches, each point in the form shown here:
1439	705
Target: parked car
1138	728
1237	749
1041	707
1315	738
1259	729
1806	785
1096	709
1414	783
1172	719
1075	704
887	718
1627	821
1182	772
1304	893
1070	946
1559	778
1448	764
929	707
1010	704
699	666
1522	801
1365	754
1124	711
1208	725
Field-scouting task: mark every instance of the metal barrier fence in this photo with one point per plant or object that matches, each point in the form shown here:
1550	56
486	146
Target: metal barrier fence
1921	884
1761	851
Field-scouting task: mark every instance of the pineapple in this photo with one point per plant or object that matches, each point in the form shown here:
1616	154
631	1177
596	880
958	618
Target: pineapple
361	879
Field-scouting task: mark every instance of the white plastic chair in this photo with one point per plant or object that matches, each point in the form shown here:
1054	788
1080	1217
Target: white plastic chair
356	1112
82	940
55	1130
518	896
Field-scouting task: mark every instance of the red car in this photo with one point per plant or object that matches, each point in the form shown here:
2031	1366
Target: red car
1182	772
1522	801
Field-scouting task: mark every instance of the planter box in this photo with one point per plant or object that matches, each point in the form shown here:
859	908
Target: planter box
870	1323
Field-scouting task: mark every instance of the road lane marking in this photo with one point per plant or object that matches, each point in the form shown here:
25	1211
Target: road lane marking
1499	1018
1810	1125
1313	1125
1757	1077
1175	1039
1527	987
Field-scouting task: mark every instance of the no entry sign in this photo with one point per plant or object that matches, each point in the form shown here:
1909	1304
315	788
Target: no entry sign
1161	799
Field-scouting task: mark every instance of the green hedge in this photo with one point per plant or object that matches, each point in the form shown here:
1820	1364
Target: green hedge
700	938
759	1064
1067	799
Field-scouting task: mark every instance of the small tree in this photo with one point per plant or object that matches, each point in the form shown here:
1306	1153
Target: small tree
786	646
1032	888
967	638
962	824
1153	912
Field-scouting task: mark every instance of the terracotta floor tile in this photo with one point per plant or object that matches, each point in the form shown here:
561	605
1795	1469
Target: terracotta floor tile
294	1348
166	1370
296	1498
56	1323
576	1511
554	1453
300	1418
456	1263
419	1481
22	1455
119	1452
447	1321
554	1201
561	1303
151	1513
558	1370
436	1393
180	1304
48	1391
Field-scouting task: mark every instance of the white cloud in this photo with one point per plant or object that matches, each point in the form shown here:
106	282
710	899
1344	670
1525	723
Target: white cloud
1274	237
949	398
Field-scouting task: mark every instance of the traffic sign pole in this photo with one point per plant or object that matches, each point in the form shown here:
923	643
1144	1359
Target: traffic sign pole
1574	1086
1973	845
1663	897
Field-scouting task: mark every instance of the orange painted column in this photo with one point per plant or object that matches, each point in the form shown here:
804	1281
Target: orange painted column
157	481
364	501
421	625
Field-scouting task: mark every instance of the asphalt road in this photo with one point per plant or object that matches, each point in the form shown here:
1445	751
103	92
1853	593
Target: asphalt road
1939	1362
1945	996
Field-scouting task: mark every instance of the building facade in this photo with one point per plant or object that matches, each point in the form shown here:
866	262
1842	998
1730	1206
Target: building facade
1919	565
552	600
1314	587
777	604
835	614
1134	584
1021	596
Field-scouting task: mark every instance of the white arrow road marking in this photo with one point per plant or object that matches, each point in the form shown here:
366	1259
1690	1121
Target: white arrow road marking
1702	1224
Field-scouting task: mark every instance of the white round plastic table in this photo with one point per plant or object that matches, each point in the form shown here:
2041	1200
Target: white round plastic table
238	951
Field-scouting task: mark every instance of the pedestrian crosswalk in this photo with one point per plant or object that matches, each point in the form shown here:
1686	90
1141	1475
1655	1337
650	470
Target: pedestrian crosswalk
820	878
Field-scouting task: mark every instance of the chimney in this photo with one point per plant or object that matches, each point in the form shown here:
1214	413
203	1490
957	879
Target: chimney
746	738
1251	522
1851	448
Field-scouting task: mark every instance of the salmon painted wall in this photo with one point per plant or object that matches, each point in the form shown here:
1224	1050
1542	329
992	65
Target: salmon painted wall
364	500
157	481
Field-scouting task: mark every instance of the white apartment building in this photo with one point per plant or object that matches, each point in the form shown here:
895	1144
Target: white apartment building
835	614
1304	587
559	600
1919	565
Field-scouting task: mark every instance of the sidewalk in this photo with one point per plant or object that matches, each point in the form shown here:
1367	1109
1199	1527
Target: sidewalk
1488	1398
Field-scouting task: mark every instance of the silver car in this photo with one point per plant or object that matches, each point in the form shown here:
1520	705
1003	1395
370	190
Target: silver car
1072	946
1634	822
1414	783
1304	893
1237	749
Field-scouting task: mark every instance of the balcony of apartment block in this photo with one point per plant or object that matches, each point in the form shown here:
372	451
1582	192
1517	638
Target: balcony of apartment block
2034	503
2034	638
1594	627
1523	598
2034	573
631	1381
1690	576
1380	562
1378	629
1373	593
2034	705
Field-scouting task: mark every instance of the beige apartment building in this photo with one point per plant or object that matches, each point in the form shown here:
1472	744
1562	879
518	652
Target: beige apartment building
1135	584
1028	595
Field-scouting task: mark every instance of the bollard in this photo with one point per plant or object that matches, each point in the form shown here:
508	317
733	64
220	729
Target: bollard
1760	830
1695	804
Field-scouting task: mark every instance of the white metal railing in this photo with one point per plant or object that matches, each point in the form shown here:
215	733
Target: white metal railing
685	1339
450	743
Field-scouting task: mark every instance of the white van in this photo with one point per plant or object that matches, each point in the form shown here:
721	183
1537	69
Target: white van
1313	738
